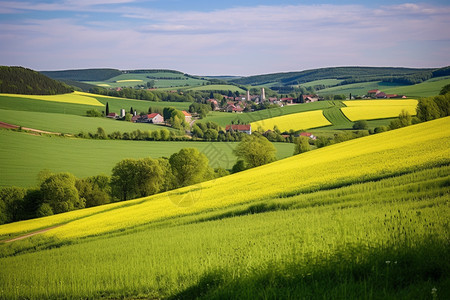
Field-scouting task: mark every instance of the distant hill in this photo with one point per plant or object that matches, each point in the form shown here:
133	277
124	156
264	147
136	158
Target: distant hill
347	75
83	74
19	80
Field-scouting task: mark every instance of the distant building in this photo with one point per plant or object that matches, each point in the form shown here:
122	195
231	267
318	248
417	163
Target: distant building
122	113
263	95
154	118
308	135
241	128
187	116
112	115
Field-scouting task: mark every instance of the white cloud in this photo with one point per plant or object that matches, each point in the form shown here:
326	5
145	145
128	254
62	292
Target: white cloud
239	40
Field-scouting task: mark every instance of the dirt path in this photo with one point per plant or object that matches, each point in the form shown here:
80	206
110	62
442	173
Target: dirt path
31	234
11	126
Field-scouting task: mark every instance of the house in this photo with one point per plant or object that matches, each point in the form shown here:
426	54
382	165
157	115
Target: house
135	119
214	102
154	118
380	95
187	116
373	93
310	98
112	115
241	128
287	100
308	135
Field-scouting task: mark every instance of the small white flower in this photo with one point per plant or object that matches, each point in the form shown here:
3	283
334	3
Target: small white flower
388	262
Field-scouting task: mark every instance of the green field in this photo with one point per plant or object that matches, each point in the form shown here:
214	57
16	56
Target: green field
218	87
161	79
359	89
364	219
71	124
23	155
428	88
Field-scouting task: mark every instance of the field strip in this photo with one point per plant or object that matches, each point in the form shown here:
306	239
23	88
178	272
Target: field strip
31	234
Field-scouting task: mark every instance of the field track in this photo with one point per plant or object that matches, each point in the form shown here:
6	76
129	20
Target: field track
11	126
31	234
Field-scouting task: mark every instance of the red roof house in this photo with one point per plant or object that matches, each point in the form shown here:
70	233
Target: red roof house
241	128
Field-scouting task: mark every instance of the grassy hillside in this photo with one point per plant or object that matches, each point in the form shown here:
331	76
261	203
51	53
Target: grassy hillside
361	219
21	164
218	87
359	89
428	88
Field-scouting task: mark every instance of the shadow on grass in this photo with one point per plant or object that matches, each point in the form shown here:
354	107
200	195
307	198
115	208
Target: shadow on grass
421	271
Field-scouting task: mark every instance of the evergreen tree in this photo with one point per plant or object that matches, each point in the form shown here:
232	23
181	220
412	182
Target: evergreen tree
107	108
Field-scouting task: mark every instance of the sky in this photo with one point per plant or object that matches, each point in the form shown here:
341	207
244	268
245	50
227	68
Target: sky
244	37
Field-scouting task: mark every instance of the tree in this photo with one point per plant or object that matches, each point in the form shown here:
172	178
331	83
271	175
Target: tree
255	150
149	177
361	125
122	179
11	204
405	118
301	145
239	166
128	117
94	190
107	108
445	89
101	134
190	166
427	110
60	193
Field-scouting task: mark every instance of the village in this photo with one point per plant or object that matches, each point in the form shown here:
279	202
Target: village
240	104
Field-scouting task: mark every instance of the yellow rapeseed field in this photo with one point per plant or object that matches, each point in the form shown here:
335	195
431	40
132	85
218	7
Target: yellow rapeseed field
303	120
385	153
75	97
377	109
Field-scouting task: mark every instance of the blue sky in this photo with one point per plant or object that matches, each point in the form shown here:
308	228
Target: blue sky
223	37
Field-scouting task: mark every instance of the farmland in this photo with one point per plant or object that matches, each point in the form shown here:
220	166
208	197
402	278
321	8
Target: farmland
20	165
362	219
73	98
161	79
377	109
72	124
299	121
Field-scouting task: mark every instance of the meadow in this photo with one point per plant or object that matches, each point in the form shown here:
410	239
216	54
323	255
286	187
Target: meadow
377	109
298	121
367	218
81	157
428	88
360	88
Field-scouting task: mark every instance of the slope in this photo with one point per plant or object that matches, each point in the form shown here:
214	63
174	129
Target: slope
362	219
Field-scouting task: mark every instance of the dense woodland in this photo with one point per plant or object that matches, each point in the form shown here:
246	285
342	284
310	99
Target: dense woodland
19	80
84	74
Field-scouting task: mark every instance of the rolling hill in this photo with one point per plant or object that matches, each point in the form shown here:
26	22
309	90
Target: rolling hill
364	218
